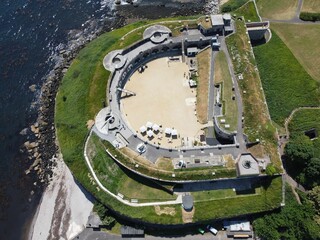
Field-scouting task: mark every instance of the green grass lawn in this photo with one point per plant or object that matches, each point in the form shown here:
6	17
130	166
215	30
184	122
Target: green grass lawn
119	180
277	9
311	6
302	40
222	75
248	11
269	198
222	194
304	120
287	85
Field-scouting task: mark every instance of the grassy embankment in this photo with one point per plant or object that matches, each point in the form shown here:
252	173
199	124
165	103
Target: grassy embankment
278	10
268	197
119	180
303	120
232	5
179	174
302	40
222	76
287	85
257	124
248	11
204	59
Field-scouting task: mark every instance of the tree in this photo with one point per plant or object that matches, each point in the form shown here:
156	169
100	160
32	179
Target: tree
294	221
312	172
271	169
103	213
314	197
299	149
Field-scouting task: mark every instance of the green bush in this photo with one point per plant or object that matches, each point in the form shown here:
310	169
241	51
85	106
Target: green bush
307	16
271	169
232	5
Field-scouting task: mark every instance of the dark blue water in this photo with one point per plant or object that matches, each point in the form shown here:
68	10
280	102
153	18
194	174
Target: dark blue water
30	31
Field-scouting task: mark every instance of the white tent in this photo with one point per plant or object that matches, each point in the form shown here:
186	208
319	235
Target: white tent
155	127
174	132
149	124
149	133
168	131
143	129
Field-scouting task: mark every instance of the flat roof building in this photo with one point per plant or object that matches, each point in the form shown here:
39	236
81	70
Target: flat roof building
247	165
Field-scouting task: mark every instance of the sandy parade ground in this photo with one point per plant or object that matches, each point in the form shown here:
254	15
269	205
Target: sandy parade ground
64	208
163	97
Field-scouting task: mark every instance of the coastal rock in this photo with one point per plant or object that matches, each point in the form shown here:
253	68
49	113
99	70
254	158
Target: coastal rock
24	131
34	129
32	88
30	145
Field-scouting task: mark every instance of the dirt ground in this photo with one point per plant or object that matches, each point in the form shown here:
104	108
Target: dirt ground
163	96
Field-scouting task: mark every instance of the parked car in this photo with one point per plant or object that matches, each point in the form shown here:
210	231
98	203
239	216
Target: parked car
212	230
201	231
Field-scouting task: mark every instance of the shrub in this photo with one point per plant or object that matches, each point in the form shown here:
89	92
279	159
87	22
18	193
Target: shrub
271	169
307	16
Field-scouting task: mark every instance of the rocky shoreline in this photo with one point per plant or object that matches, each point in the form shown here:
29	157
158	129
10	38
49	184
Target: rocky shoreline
43	148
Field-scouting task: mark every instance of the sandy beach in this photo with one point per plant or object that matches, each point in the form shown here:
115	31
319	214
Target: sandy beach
64	208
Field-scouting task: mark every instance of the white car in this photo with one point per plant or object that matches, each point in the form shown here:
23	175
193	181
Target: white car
141	148
212	230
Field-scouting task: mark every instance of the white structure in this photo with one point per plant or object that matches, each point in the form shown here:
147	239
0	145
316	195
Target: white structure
168	131
149	133
155	127
143	129
149	125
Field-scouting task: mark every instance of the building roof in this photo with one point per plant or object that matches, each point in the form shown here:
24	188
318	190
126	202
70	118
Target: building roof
217	20
227	16
187	202
192	50
247	165
126	230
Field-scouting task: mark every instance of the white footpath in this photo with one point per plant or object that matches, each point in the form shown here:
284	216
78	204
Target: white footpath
64	208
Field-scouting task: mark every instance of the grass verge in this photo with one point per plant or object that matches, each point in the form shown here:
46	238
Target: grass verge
222	76
204	60
287	85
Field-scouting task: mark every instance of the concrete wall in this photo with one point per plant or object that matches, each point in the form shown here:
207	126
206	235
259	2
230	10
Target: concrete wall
227	136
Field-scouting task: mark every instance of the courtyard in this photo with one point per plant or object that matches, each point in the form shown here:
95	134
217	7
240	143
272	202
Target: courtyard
163	97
